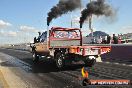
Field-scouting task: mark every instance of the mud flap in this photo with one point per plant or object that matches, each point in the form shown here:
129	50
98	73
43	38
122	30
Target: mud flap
98	59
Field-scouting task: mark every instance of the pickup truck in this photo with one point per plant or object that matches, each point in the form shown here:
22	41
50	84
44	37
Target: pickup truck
64	45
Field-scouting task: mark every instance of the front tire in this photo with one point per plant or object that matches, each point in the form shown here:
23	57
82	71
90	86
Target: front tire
35	57
60	62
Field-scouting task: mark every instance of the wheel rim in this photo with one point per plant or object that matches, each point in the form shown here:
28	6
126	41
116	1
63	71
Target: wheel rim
59	61
33	56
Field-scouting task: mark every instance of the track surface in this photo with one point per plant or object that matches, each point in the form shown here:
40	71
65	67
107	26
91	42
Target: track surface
46	75
119	53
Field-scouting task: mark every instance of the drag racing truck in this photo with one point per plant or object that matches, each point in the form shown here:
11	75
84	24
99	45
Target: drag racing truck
64	45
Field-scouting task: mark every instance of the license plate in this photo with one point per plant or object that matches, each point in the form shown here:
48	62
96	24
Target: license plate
91	52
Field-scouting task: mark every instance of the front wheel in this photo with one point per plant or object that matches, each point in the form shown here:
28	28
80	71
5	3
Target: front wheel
60	60
35	57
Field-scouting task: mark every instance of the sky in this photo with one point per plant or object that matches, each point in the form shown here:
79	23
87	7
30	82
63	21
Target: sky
20	20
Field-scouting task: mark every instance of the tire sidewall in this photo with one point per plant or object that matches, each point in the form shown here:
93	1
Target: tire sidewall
90	63
59	60
35	57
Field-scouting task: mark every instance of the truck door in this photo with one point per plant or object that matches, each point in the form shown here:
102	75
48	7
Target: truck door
41	47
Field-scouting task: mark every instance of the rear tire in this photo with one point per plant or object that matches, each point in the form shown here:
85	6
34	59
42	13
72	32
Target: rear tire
35	57
60	60
90	63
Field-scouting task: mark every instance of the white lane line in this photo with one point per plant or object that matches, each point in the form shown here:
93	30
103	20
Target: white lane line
124	64
107	62
130	65
118	63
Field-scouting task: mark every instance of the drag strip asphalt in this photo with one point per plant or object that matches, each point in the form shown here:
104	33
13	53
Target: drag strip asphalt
46	75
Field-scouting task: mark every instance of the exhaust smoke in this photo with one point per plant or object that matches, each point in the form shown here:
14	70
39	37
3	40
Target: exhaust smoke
98	8
63	7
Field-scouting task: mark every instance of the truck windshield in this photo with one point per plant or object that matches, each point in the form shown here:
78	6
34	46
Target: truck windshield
67	34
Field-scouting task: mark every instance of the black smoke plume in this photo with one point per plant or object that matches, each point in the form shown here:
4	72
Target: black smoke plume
98	8
61	8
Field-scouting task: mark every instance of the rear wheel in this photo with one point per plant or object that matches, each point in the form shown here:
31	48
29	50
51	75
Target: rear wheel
60	62
89	62
35	57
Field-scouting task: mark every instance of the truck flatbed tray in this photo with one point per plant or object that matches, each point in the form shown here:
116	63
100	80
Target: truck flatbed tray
97	44
84	46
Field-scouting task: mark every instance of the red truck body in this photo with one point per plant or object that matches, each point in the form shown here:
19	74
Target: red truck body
65	45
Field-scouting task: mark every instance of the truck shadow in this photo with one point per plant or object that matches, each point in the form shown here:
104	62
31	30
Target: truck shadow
49	66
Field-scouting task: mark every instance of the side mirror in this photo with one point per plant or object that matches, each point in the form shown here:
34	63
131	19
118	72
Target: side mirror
39	33
35	40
